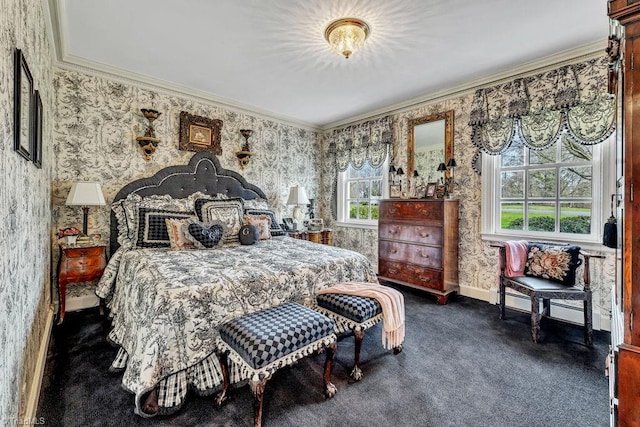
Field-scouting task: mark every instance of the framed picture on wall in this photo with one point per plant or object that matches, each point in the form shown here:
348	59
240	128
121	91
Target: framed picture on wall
36	146
22	107
199	133
394	191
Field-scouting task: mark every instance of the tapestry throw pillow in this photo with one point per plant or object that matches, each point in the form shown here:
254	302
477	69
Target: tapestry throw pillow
553	262
229	212
261	222
249	234
204	236
177	238
152	226
274	227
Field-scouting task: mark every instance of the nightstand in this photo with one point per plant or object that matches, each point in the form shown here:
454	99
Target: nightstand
323	236
79	263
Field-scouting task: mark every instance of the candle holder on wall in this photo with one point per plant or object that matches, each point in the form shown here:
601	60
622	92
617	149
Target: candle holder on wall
244	155
148	142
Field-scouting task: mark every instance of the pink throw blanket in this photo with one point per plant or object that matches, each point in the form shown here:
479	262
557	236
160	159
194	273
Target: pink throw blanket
516	257
391	301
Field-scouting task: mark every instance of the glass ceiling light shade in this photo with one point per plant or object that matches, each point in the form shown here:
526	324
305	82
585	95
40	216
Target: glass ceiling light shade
346	35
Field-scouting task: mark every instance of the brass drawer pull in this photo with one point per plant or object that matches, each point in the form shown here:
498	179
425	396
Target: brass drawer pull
425	279
393	271
394	230
394	251
423	254
424	234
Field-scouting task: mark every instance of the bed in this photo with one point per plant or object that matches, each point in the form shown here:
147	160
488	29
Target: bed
165	305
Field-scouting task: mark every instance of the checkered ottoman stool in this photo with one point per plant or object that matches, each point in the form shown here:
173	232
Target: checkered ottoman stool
262	342
353	314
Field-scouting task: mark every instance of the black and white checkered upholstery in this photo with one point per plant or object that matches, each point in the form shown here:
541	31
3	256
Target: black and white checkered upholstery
152	228
265	336
353	307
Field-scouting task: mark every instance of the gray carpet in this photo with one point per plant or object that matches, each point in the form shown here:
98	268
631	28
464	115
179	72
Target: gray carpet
461	366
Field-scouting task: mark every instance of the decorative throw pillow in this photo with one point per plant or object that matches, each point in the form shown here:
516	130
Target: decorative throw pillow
152	226
274	227
553	262
249	234
261	222
204	236
228	212
177	239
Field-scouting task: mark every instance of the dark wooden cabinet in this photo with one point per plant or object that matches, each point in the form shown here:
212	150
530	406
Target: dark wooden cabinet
78	264
626	357
418	244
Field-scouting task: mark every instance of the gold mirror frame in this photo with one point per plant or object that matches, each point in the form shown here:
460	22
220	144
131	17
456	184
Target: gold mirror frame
447	116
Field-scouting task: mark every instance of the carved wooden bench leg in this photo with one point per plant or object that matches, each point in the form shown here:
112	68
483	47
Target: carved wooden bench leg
502	302
535	319
330	390
588	322
223	358
257	389
356	372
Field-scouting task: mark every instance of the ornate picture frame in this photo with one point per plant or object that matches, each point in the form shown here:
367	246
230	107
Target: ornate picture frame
199	133
394	191
36	146
431	190
22	107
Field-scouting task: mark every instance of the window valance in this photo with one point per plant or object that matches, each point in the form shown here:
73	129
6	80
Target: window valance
365	142
569	101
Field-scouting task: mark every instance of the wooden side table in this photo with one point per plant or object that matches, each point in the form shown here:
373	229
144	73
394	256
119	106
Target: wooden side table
79	263
323	236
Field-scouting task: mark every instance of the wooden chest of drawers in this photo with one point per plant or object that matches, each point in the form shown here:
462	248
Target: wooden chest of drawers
418	244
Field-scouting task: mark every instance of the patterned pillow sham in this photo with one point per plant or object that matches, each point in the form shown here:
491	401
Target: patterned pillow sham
126	211
228	212
553	262
262	223
203	236
177	238
274	227
152	226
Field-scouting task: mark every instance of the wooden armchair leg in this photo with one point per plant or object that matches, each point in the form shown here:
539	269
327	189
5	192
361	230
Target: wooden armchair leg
257	389
502	301
330	390
588	322
535	318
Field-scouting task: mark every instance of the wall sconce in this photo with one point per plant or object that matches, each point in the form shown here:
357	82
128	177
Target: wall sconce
244	155
149	142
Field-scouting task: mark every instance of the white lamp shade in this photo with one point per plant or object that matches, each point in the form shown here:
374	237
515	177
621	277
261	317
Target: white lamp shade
85	194
298	196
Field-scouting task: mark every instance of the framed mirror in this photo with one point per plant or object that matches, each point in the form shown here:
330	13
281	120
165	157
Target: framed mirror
430	142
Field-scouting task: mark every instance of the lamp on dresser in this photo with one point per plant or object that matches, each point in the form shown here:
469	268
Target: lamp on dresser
298	197
85	194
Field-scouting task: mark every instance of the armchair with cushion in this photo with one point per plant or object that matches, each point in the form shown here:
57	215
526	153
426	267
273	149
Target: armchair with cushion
544	272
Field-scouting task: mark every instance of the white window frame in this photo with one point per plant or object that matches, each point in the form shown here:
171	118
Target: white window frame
603	185
343	206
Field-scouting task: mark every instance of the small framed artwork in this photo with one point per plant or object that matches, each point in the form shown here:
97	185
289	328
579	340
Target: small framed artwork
199	133
431	190
36	146
22	107
394	191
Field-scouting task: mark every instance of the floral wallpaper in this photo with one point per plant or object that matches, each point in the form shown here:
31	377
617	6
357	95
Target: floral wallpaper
98	119
24	209
477	257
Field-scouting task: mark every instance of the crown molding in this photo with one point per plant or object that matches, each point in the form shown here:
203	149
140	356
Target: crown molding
580	53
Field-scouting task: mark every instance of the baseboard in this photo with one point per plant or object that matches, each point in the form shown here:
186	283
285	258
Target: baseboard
601	321
36	383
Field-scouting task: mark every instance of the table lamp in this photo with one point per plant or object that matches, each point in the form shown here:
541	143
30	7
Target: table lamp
297	197
85	194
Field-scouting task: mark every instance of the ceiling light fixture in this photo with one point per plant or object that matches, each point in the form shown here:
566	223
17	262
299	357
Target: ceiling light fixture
346	35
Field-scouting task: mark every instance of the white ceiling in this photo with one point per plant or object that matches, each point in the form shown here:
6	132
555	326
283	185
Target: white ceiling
271	56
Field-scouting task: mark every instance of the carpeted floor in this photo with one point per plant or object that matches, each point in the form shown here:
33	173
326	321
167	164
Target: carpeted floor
461	366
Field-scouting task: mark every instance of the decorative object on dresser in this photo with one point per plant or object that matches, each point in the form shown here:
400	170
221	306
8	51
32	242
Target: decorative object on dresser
199	133
148	142
624	371
297	197
418	245
85	194
77	264
244	155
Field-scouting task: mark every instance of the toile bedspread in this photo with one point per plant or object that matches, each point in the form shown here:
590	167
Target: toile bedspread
165	305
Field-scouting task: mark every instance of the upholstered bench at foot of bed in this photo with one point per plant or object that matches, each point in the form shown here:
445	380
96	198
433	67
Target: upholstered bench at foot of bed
262	342
354	313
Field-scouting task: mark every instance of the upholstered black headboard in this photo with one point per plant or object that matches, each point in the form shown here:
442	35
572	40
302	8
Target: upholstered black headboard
203	173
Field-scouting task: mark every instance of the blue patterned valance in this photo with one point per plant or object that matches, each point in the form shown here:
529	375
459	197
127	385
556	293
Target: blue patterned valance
539	110
365	142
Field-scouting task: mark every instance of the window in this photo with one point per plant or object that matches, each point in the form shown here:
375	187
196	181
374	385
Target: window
555	194
359	193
